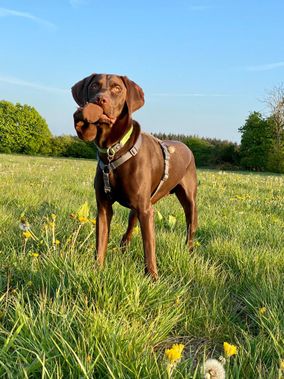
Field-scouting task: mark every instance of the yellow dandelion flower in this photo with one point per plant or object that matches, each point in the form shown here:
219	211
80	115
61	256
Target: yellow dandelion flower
135	230
82	219
53	216
83	211
34	254
57	242
196	244
27	234
160	216
93	221
172	221
230	350
174	354
262	310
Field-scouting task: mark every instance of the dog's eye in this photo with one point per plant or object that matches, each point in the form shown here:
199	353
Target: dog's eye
95	85
116	88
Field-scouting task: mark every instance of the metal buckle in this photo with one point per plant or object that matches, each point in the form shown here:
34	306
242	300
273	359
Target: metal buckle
133	151
110	153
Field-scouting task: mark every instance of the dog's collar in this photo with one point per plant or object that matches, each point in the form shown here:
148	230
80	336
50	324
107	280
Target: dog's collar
110	151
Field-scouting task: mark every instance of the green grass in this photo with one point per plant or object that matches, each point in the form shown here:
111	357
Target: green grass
60	317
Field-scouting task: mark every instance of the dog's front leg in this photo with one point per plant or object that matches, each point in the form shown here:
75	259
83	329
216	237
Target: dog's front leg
146	219
104	216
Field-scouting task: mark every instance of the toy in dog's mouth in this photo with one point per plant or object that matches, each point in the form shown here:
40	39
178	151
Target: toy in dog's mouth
94	114
87	120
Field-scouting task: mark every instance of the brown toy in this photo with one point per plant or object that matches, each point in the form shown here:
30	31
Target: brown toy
85	119
92	113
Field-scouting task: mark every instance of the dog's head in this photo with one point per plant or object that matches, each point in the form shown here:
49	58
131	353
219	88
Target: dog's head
116	95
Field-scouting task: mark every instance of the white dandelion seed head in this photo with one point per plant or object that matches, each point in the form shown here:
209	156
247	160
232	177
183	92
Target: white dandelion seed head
24	226
213	369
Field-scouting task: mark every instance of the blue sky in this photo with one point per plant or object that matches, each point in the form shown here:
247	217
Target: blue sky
204	65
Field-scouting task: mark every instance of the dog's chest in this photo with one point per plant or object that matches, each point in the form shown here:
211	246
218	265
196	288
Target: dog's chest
121	189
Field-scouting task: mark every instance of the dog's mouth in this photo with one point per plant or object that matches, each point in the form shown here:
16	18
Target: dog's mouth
106	119
97	115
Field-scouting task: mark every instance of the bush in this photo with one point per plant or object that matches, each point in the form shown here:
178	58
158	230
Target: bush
22	129
69	146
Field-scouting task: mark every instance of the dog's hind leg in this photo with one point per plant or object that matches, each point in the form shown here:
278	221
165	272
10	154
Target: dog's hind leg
186	194
132	221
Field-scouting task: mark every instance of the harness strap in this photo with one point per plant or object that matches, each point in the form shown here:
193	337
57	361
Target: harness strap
107	168
166	166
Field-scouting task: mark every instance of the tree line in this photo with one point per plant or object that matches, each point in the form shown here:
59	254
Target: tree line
24	131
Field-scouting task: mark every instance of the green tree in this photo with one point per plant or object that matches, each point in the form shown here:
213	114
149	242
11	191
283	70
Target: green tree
275	103
22	129
256	142
201	149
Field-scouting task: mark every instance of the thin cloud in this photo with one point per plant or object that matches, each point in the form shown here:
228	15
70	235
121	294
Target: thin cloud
23	83
4	12
265	67
165	94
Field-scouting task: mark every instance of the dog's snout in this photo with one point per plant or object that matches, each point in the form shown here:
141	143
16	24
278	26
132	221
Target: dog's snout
101	99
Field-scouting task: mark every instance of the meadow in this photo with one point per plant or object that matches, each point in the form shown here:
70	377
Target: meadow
61	317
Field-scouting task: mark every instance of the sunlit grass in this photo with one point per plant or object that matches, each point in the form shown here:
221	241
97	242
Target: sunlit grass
61	317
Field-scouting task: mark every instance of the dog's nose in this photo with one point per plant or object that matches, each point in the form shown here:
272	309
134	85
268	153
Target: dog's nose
101	100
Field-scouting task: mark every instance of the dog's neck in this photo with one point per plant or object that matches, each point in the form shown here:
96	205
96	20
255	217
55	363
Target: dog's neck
110	140
108	135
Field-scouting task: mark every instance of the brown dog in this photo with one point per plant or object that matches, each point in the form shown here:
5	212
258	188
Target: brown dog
134	168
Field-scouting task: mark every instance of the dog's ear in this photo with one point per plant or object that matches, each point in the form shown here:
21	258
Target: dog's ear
80	90
134	96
